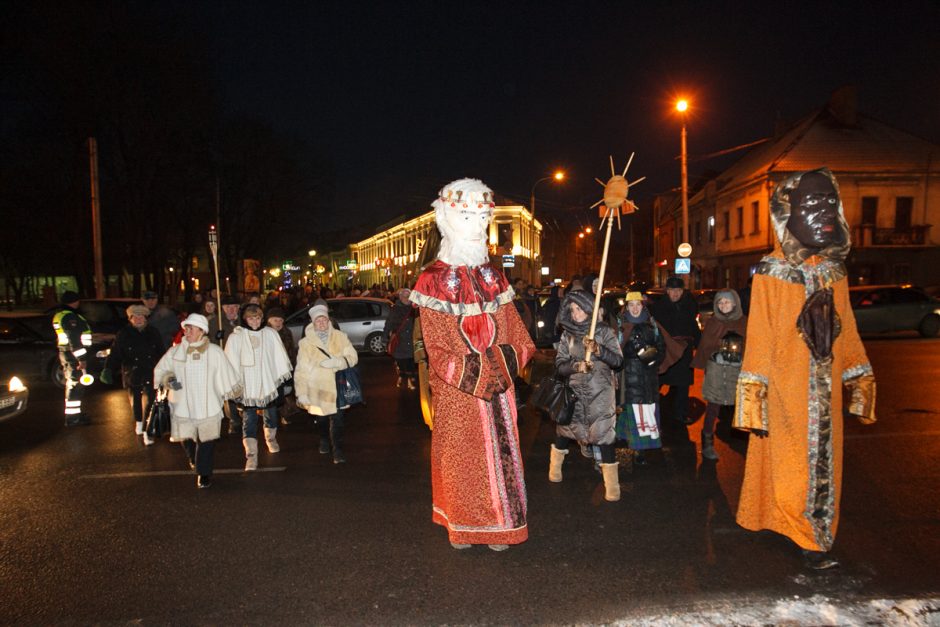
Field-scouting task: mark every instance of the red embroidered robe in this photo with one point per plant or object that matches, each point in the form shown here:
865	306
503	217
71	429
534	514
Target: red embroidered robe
476	344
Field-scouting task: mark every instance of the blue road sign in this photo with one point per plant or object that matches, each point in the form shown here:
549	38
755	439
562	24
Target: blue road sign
683	266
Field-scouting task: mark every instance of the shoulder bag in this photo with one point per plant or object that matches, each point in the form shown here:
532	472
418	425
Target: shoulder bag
348	385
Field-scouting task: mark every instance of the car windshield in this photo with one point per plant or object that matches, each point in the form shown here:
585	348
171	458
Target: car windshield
41	325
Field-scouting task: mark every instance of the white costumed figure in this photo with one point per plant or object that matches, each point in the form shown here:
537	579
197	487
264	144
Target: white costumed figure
476	344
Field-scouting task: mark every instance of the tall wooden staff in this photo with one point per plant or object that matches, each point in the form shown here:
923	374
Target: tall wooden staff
214	248
613	205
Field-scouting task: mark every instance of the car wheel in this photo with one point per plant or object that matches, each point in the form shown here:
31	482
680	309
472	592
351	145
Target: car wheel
56	375
930	326
375	344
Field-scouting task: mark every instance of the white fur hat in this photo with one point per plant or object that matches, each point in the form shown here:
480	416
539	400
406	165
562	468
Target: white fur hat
196	320
320	309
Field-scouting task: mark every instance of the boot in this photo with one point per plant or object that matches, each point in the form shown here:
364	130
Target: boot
708	446
139	428
270	438
251	453
336	440
554	465
611	481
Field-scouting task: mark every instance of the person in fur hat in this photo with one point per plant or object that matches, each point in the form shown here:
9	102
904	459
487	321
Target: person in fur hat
199	378
803	348
719	355
257	353
476	344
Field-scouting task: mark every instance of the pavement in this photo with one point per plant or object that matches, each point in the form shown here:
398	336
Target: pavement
96	528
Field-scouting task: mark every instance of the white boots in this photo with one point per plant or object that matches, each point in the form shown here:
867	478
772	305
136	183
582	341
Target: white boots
611	481
251	453
554	466
139	428
270	438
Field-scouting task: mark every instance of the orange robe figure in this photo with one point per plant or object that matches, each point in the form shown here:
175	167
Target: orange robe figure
793	477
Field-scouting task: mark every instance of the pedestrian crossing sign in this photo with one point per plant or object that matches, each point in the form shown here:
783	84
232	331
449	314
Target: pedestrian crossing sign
683	265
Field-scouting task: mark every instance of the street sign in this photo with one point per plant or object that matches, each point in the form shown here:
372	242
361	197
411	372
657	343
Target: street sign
509	261
683	266
685	249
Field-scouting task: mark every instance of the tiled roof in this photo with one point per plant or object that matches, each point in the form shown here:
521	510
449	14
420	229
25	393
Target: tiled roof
820	140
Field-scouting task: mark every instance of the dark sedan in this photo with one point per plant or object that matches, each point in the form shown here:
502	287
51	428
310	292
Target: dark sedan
28	348
888	308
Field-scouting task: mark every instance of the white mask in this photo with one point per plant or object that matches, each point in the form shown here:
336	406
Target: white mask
463	213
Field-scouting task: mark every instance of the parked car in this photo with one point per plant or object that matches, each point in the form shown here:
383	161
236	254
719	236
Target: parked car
362	319
888	308
28	348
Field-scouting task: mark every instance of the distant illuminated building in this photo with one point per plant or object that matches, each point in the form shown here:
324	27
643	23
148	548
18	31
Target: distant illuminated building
391	256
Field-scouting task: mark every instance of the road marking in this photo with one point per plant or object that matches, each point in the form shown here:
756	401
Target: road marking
174	473
896	434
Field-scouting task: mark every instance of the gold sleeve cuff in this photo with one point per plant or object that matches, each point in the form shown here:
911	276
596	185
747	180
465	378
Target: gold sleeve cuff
751	403
862	398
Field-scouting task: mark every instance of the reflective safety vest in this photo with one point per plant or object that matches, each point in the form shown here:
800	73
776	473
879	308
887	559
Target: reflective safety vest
62	337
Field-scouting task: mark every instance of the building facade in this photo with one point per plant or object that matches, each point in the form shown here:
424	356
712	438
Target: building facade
390	257
889	182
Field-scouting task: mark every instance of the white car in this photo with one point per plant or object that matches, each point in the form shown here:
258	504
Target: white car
362	319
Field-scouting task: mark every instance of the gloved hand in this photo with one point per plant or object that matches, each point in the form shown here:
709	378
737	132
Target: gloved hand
174	384
583	366
82	365
288	389
219	334
336	363
106	377
591	345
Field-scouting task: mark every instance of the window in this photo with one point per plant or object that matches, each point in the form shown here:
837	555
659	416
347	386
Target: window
726	225
870	210
739	212
711	228
904	207
698	232
904	296
350	311
755	217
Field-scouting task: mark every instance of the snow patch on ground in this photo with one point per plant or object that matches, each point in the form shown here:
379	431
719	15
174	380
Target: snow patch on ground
815	610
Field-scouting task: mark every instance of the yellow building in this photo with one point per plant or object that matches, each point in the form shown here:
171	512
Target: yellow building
391	256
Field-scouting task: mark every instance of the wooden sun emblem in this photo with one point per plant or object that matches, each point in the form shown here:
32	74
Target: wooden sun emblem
616	189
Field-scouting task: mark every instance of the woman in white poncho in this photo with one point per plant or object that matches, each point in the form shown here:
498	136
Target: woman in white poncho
257	353
199	379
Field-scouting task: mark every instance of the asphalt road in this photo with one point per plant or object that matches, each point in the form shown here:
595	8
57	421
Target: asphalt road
96	528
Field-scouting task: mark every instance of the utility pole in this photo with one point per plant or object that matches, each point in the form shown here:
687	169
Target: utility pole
96	217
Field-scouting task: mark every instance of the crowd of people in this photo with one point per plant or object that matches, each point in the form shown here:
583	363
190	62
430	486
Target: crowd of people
242	365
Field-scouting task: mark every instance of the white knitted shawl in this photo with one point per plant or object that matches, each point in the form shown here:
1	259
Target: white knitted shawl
261	361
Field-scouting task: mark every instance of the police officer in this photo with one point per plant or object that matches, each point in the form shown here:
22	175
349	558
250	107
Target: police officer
73	337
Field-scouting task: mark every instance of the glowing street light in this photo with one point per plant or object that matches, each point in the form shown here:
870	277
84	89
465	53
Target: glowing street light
682	106
559	176
312	253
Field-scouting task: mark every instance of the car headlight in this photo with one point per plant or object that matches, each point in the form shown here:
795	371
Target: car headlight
16	385
541	323
103	354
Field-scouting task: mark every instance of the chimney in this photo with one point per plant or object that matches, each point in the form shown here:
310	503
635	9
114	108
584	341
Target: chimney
842	105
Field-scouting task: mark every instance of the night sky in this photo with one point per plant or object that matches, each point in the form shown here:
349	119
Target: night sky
405	96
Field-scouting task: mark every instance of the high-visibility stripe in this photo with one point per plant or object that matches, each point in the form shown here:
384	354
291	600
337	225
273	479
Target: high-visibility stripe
73	403
86	339
62	338
79	353
72	410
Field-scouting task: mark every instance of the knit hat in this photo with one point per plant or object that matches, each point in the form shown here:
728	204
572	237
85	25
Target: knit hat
137	310
276	312
319	309
196	320
68	296
633	296
675	281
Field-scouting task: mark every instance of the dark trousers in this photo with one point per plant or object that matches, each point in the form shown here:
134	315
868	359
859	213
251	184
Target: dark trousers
270	417
679	402
234	417
608	456
201	454
333	428
136	394
407	369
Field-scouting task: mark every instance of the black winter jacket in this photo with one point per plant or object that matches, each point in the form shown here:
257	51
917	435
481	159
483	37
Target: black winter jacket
136	353
639	381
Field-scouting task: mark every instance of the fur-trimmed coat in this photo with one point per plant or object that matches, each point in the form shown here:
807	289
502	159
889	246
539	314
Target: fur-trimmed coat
314	384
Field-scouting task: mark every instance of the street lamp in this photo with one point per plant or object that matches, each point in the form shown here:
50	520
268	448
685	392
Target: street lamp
559	176
682	106
312	253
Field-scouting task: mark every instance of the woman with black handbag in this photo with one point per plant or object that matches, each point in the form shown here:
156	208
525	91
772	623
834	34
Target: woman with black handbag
324	351
594	415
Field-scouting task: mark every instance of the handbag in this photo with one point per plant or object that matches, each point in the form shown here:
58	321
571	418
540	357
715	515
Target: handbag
348	385
555	398
158	420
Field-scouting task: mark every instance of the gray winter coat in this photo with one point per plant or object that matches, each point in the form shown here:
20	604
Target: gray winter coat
596	410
